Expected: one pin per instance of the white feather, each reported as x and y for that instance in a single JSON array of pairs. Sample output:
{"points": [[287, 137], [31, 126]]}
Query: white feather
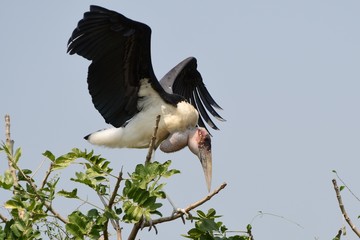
{"points": [[138, 131]]}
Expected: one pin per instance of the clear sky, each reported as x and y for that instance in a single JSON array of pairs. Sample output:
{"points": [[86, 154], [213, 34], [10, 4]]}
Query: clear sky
{"points": [[286, 73]]}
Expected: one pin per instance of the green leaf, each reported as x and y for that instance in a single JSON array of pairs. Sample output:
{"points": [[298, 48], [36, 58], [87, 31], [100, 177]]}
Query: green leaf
{"points": [[155, 206], [93, 213], [64, 160], [24, 175], [84, 179], [211, 213], [13, 204], [137, 213], [72, 194], [194, 233], [208, 225], [249, 228], [74, 230], [17, 155], [8, 181], [342, 188], [201, 214], [118, 211], [149, 202], [49, 155], [17, 228], [170, 173], [110, 214], [79, 220]]}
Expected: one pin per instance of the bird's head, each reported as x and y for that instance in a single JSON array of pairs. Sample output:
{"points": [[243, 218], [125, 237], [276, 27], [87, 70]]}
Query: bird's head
{"points": [[199, 142]]}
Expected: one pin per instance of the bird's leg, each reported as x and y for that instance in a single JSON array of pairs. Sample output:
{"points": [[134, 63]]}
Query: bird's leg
{"points": [[152, 145], [178, 210], [153, 155]]}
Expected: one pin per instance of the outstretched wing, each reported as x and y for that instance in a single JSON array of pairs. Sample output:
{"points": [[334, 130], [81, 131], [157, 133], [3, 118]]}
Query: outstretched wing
{"points": [[119, 49], [184, 79]]}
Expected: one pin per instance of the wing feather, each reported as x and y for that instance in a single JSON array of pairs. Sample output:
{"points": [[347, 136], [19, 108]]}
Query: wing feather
{"points": [[119, 49], [185, 80]]}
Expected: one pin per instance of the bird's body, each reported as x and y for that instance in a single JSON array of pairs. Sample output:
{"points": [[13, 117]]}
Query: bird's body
{"points": [[126, 92], [137, 133]]}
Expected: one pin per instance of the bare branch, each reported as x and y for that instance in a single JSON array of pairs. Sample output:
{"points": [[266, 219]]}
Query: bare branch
{"points": [[3, 218], [343, 182], [38, 168], [261, 214], [56, 214], [115, 224], [48, 172], [153, 140], [177, 215], [117, 185], [10, 146], [343, 211]]}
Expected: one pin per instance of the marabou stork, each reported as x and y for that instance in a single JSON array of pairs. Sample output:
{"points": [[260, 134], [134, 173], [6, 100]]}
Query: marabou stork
{"points": [[126, 92]]}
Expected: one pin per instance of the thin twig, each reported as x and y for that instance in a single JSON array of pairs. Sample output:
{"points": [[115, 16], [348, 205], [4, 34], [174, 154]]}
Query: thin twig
{"points": [[249, 232], [343, 211], [56, 214], [177, 215], [3, 218], [261, 213], [343, 182], [38, 168], [47, 205], [13, 168], [116, 225], [338, 235], [153, 140], [48, 172], [117, 185], [10, 146]]}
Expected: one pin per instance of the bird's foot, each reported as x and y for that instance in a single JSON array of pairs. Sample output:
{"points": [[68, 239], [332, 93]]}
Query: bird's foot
{"points": [[180, 211], [145, 223], [183, 213]]}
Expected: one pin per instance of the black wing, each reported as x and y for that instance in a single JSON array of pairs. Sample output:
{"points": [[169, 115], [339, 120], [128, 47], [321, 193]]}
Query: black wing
{"points": [[184, 79], [120, 52]]}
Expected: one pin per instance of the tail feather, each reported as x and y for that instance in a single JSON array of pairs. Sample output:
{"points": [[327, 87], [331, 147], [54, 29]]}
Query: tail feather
{"points": [[110, 137]]}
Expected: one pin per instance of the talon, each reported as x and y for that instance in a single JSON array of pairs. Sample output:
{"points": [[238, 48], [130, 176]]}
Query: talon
{"points": [[183, 212], [143, 222]]}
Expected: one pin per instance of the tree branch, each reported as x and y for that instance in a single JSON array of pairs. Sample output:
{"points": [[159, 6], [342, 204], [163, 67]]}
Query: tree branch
{"points": [[47, 205], [338, 235], [153, 140], [10, 146], [344, 183], [343, 211], [13, 168], [117, 185], [48, 172], [115, 224], [56, 214], [3, 218], [139, 225]]}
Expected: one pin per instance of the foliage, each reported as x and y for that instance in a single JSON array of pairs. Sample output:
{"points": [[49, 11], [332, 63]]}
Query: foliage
{"points": [[31, 213], [206, 228], [143, 189]]}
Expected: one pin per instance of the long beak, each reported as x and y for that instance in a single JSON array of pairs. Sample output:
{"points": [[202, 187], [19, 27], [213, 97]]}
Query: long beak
{"points": [[205, 157], [200, 144]]}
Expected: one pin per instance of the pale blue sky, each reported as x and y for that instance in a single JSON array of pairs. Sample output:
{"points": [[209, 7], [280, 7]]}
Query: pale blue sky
{"points": [[286, 73]]}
